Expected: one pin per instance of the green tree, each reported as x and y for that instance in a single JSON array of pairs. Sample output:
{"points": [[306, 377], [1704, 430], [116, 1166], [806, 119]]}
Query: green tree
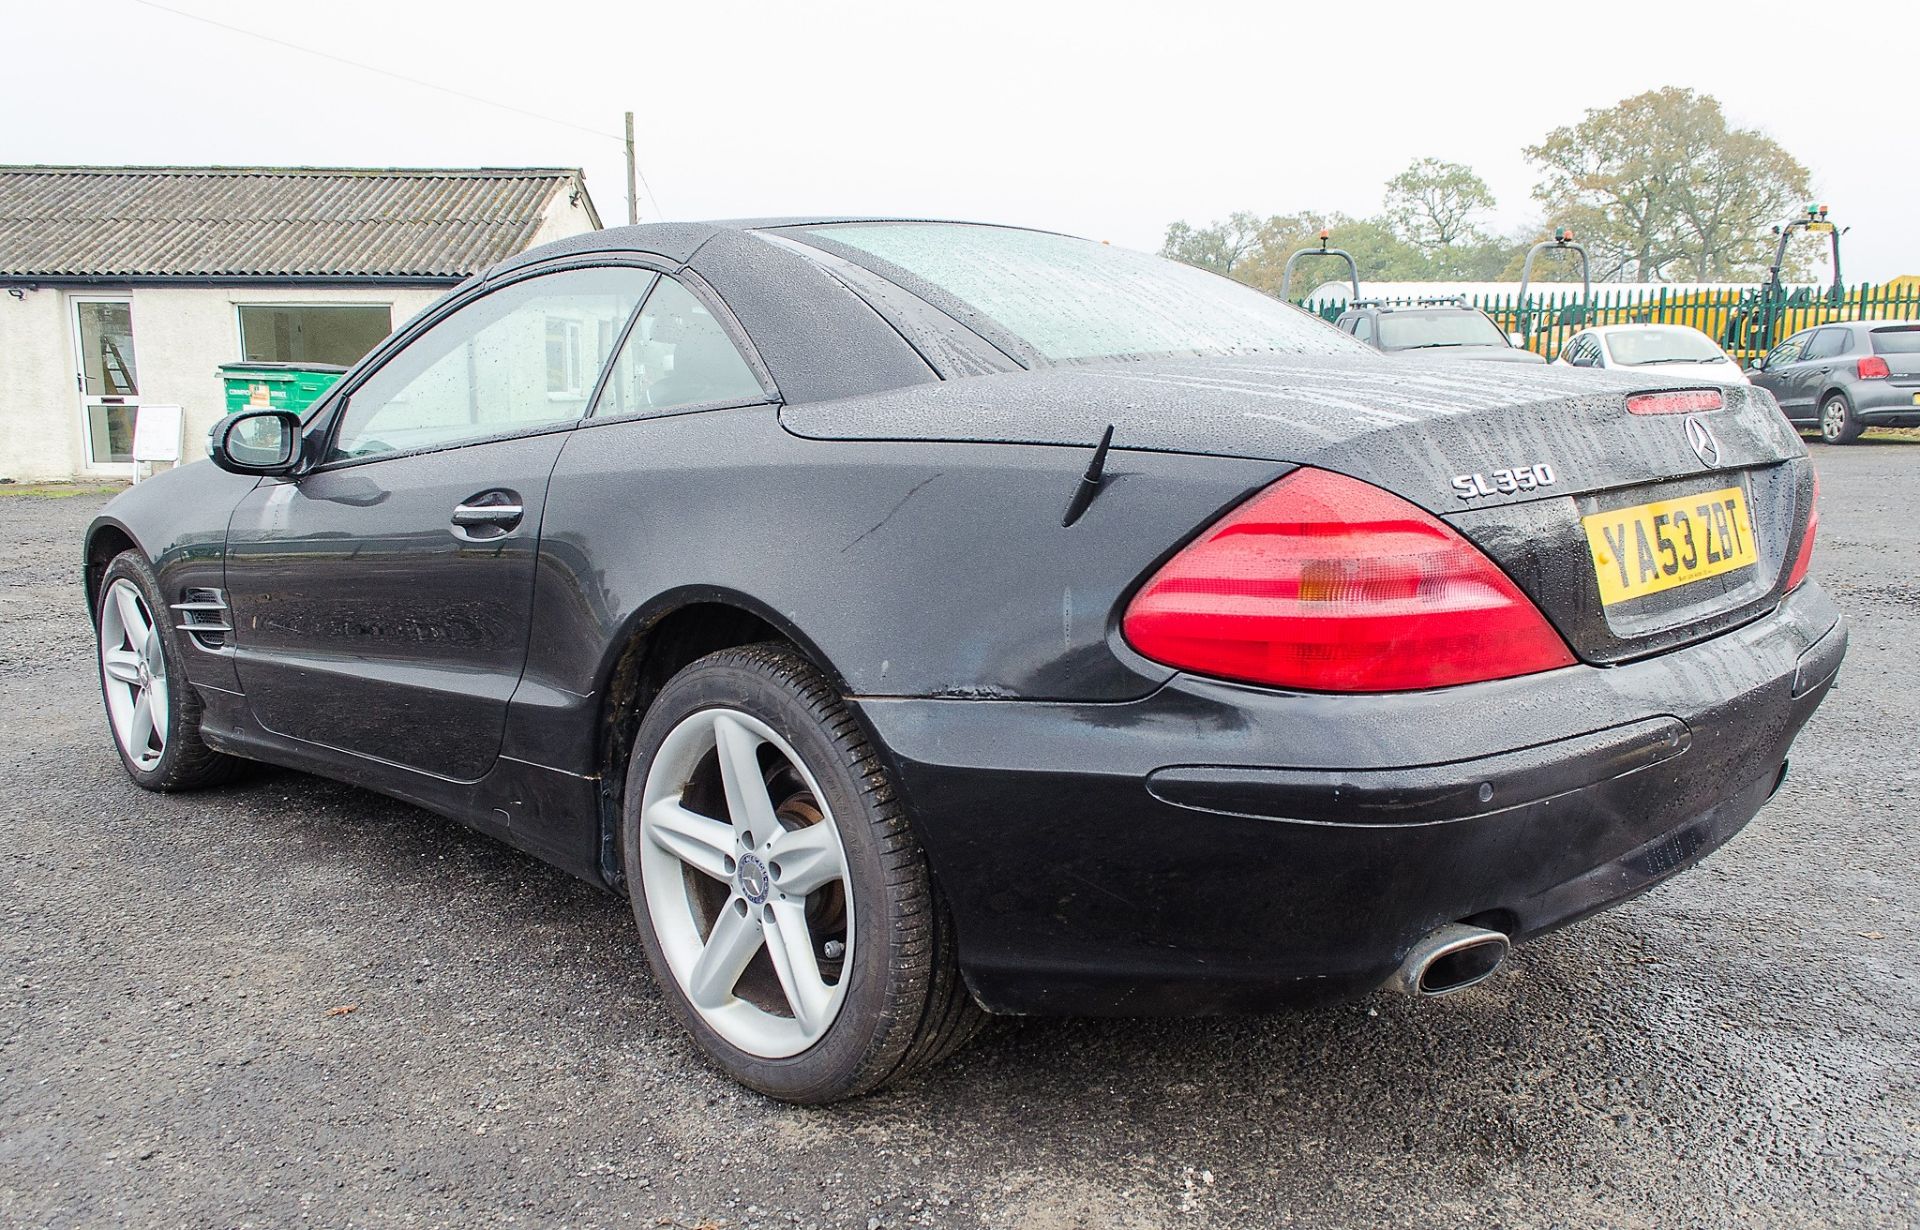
{"points": [[1485, 260], [1255, 250], [1383, 256], [1661, 187], [1433, 206], [1427, 232], [1280, 237], [1552, 265]]}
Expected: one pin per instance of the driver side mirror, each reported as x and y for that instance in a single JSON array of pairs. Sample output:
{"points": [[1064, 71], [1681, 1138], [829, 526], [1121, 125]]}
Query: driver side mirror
{"points": [[256, 442]]}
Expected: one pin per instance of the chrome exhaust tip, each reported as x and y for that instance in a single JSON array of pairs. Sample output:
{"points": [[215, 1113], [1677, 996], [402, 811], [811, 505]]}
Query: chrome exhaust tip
{"points": [[1451, 959]]}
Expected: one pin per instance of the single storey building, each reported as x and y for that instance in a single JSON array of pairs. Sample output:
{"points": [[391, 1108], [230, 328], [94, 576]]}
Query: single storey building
{"points": [[124, 285]]}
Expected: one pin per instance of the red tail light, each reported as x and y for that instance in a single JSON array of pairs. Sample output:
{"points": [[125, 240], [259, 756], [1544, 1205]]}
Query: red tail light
{"points": [[1680, 401], [1873, 367], [1805, 557], [1324, 583]]}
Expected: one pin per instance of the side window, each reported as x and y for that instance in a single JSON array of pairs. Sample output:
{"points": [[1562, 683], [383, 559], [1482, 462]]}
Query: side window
{"points": [[677, 356], [1363, 328], [1827, 343], [525, 355], [1787, 351]]}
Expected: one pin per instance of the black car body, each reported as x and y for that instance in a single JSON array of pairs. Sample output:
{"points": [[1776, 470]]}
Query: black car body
{"points": [[1434, 330], [1844, 378], [891, 499]]}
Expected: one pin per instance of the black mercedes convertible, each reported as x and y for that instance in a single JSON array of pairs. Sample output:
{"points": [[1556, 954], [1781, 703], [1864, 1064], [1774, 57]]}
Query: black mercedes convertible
{"points": [[918, 621]]}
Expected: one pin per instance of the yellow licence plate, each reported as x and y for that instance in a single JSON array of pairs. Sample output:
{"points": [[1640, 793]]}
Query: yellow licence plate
{"points": [[1653, 547]]}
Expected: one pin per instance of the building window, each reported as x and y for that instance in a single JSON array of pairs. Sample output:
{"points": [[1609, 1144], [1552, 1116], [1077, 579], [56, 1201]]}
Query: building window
{"points": [[563, 358], [335, 333]]}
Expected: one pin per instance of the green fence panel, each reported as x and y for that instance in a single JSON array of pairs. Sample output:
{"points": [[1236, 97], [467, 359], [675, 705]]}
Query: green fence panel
{"points": [[1746, 321]]}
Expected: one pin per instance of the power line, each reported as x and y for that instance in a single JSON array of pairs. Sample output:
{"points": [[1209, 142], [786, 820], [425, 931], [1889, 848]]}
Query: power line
{"points": [[430, 85], [415, 81]]}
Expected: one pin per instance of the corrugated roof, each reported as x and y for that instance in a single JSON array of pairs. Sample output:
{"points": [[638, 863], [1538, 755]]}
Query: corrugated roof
{"points": [[268, 223]]}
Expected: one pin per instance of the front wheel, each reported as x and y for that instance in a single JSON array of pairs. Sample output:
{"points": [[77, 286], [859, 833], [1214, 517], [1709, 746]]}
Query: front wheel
{"points": [[152, 710], [1838, 423], [782, 901]]}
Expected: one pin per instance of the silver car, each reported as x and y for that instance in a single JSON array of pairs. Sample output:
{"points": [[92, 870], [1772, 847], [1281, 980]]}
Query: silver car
{"points": [[1844, 378]]}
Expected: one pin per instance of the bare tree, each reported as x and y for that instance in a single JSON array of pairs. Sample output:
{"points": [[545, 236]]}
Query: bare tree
{"points": [[1219, 247]]}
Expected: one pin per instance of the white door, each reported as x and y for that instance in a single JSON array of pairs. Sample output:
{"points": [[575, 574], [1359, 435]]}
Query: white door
{"points": [[108, 377]]}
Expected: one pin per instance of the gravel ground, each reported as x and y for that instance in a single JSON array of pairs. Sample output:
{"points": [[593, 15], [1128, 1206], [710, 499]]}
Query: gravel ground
{"points": [[1736, 1048]]}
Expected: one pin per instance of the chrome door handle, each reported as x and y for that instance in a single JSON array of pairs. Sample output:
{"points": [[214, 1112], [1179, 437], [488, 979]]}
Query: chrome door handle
{"points": [[506, 516]]}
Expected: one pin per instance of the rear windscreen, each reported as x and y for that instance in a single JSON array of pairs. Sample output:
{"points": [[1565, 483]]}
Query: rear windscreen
{"points": [[1897, 341], [1075, 299], [1437, 330], [1650, 347]]}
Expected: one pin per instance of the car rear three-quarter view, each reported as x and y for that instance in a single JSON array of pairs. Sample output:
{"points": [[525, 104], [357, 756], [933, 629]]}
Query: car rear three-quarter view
{"points": [[918, 621]]}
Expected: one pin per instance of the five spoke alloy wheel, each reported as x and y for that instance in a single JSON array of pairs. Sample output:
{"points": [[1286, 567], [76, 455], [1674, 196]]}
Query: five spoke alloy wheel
{"points": [[789, 915], [746, 883], [133, 671], [153, 712]]}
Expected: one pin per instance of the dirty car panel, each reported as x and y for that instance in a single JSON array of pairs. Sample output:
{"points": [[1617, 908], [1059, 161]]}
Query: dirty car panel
{"points": [[1112, 833]]}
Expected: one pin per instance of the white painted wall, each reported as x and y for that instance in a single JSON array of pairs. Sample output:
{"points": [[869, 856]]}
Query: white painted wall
{"points": [[39, 404], [181, 335], [563, 216]]}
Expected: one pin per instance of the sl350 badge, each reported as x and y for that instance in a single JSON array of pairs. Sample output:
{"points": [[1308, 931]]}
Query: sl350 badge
{"points": [[1504, 482]]}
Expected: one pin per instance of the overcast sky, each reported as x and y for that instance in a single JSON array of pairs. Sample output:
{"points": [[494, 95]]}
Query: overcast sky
{"points": [[1104, 119]]}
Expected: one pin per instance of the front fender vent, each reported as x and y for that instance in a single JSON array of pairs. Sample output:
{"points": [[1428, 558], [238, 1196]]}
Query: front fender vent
{"points": [[202, 615]]}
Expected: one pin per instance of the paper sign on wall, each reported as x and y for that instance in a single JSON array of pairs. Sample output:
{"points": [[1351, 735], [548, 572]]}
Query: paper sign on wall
{"points": [[156, 433]]}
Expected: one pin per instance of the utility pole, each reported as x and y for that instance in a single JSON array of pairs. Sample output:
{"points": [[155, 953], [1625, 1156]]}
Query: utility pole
{"points": [[633, 202]]}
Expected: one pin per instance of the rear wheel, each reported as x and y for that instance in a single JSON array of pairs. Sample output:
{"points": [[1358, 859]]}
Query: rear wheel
{"points": [[781, 899], [1838, 423], [152, 710]]}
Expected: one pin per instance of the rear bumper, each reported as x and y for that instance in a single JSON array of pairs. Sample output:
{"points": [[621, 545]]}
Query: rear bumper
{"points": [[1217, 848], [1885, 404]]}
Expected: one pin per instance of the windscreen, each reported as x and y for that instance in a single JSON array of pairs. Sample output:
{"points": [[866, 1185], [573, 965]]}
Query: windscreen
{"points": [[1650, 347], [1430, 330], [1073, 299], [1897, 341]]}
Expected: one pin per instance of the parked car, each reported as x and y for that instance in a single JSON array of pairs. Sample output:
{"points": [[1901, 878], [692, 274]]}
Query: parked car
{"points": [[1677, 350], [1449, 330], [921, 620], [1845, 378]]}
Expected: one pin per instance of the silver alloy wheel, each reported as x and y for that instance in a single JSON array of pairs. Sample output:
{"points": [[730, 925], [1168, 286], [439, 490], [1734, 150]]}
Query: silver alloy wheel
{"points": [[1833, 418], [746, 883], [133, 665]]}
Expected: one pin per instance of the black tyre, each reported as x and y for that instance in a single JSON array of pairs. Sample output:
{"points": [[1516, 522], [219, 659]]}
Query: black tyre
{"points": [[1838, 423], [784, 905], [153, 713]]}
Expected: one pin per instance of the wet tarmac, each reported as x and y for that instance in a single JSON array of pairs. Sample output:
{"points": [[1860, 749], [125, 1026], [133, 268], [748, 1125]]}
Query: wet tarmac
{"points": [[291, 1002]]}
